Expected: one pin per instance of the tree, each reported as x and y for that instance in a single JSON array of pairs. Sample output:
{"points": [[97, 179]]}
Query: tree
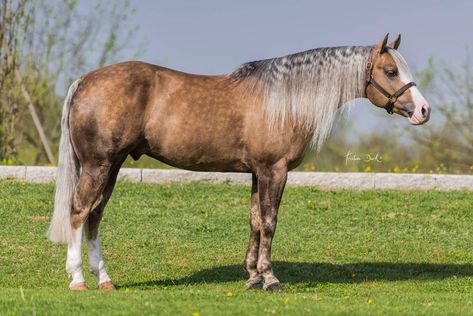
{"points": [[51, 44], [12, 24], [448, 141]]}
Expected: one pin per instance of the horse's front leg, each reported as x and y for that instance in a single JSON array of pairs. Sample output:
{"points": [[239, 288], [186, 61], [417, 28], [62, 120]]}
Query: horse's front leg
{"points": [[255, 279], [271, 182]]}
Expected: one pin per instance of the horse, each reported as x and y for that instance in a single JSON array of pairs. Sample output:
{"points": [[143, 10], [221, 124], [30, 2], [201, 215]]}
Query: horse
{"points": [[261, 118]]}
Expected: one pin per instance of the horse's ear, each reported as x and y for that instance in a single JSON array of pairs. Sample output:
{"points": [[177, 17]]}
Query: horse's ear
{"points": [[381, 46], [396, 42]]}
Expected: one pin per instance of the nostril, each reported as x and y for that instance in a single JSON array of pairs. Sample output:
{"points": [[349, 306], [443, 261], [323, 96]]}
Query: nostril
{"points": [[424, 110]]}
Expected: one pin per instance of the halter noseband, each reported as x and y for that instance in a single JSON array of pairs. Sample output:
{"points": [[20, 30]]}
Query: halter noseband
{"points": [[392, 98]]}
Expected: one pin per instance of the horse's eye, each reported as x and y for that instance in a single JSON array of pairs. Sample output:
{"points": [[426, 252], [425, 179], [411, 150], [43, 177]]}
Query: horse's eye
{"points": [[391, 73]]}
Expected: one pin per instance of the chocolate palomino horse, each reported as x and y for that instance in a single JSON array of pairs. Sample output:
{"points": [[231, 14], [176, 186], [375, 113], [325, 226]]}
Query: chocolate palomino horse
{"points": [[259, 119]]}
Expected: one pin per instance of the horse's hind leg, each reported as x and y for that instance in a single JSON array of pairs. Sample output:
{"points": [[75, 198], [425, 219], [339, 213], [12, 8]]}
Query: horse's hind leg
{"points": [[255, 280], [96, 262], [89, 193]]}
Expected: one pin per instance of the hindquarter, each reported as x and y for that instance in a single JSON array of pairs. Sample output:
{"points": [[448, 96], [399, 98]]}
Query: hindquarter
{"points": [[107, 112]]}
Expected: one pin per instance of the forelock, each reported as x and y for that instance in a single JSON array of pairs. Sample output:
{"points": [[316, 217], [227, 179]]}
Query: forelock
{"points": [[401, 64]]}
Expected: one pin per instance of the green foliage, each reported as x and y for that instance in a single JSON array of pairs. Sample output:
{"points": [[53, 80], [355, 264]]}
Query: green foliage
{"points": [[11, 25], [178, 249], [52, 43], [449, 142]]}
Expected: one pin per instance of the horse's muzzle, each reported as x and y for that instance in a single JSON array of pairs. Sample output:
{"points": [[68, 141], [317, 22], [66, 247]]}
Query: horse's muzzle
{"points": [[420, 115]]}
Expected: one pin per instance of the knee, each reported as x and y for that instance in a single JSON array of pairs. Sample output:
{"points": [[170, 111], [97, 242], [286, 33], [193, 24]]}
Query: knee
{"points": [[268, 228]]}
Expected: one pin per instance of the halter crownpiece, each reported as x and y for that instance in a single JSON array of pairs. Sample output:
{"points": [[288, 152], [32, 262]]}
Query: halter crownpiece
{"points": [[392, 98]]}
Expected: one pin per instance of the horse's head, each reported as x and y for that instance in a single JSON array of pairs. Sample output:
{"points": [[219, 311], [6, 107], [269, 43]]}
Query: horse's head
{"points": [[390, 84]]}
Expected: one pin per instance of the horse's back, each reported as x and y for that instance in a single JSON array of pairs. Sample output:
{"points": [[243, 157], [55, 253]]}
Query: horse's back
{"points": [[197, 122]]}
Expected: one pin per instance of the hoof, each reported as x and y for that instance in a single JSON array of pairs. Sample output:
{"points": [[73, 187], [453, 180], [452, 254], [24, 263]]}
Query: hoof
{"points": [[106, 286], [256, 283], [78, 287], [275, 286]]}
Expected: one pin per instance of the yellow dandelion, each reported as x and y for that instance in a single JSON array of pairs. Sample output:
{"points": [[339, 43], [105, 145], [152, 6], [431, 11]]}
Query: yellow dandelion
{"points": [[127, 290], [367, 169], [396, 169], [317, 298], [195, 314], [229, 294], [370, 301]]}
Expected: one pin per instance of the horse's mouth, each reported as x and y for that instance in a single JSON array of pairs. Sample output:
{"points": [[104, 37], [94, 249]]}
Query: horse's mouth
{"points": [[410, 115], [405, 112], [414, 120]]}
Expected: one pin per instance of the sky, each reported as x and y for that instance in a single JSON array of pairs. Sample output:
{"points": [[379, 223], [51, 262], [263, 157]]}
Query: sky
{"points": [[212, 37], [215, 36]]}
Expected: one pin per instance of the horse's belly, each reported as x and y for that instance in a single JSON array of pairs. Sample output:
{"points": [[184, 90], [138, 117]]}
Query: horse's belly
{"points": [[200, 151]]}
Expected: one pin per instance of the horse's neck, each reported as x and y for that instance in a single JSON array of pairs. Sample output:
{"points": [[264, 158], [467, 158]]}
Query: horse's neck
{"points": [[343, 74], [310, 87]]}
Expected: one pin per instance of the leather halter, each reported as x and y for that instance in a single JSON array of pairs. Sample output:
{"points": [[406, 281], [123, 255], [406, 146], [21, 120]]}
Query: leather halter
{"points": [[392, 98]]}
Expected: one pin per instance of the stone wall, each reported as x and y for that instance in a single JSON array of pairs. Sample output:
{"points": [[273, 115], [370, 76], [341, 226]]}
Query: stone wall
{"points": [[322, 180]]}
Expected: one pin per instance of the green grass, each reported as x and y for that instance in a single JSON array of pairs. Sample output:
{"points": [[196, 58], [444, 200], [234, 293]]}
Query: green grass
{"points": [[178, 249]]}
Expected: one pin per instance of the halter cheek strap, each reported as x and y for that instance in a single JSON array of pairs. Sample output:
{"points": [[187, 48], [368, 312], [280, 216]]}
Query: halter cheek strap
{"points": [[392, 98]]}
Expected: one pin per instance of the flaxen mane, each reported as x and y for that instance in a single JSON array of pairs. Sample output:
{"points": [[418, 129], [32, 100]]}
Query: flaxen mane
{"points": [[310, 86]]}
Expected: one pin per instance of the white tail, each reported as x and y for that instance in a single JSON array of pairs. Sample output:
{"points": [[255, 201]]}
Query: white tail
{"points": [[60, 230]]}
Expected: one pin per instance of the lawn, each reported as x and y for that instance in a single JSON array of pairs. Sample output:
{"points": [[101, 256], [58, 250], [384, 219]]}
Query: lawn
{"points": [[178, 249]]}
